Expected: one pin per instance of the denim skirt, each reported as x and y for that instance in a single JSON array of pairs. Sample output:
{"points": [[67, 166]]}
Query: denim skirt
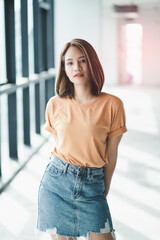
{"points": [[71, 200]]}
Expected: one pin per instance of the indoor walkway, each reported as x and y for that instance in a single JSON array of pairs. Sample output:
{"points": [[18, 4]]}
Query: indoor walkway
{"points": [[135, 195]]}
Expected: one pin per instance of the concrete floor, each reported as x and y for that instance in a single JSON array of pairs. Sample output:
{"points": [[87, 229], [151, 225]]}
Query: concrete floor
{"points": [[135, 192]]}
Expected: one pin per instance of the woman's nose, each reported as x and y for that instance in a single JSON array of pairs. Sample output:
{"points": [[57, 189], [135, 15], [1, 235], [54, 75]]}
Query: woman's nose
{"points": [[77, 67]]}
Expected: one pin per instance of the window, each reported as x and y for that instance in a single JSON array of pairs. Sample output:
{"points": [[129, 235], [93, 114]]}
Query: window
{"points": [[2, 46], [18, 48], [30, 37], [134, 52]]}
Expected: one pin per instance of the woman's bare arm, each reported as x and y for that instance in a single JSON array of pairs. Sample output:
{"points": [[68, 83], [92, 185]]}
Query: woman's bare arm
{"points": [[112, 151]]}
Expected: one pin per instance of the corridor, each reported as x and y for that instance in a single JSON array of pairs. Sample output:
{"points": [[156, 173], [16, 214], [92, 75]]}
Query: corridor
{"points": [[125, 35], [135, 192]]}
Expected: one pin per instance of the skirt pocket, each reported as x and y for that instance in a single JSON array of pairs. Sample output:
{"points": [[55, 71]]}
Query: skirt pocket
{"points": [[98, 177], [54, 170]]}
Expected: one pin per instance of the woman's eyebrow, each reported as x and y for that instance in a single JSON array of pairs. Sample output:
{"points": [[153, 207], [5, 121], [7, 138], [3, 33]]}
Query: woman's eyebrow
{"points": [[69, 59], [82, 57]]}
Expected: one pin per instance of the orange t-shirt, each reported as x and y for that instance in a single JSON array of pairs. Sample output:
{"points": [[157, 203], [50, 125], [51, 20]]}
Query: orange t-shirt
{"points": [[82, 129]]}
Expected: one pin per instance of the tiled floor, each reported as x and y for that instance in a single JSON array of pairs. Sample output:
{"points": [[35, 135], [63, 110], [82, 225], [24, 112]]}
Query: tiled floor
{"points": [[135, 193]]}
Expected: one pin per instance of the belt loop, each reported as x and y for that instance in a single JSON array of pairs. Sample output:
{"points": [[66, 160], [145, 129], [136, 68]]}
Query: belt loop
{"points": [[88, 173], [65, 168]]}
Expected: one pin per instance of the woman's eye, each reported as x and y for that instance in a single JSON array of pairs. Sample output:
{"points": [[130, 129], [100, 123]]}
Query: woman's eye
{"points": [[83, 60], [69, 63]]}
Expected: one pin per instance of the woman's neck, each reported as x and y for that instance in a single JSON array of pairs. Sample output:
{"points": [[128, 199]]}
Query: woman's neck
{"points": [[82, 94]]}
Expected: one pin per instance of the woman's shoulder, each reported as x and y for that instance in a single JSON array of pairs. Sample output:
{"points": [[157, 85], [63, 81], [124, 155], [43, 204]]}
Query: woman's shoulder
{"points": [[57, 99], [110, 98], [57, 102]]}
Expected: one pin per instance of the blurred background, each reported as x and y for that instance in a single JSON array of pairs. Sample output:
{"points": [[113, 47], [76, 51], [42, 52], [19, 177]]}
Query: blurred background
{"points": [[126, 37]]}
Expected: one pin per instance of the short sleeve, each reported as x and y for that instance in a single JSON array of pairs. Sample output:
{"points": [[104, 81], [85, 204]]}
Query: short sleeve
{"points": [[118, 124], [49, 118]]}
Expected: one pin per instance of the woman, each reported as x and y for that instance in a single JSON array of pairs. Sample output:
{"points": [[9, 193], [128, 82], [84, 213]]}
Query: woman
{"points": [[87, 125]]}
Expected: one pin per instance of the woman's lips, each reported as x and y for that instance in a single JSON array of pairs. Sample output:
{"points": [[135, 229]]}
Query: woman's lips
{"points": [[78, 75]]}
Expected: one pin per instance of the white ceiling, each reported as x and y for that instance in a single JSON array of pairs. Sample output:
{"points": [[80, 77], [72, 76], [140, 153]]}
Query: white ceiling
{"points": [[138, 2], [107, 6]]}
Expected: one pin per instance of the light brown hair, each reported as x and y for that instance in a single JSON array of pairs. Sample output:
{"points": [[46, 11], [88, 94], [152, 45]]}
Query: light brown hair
{"points": [[64, 87]]}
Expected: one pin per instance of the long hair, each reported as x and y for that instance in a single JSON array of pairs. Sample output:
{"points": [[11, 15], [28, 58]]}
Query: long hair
{"points": [[64, 87]]}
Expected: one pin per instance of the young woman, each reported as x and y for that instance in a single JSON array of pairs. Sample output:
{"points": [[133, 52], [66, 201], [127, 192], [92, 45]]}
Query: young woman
{"points": [[87, 125]]}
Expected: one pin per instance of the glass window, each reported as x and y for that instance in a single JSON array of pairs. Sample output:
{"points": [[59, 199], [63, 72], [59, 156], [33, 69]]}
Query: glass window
{"points": [[134, 34], [17, 7], [3, 78], [30, 37]]}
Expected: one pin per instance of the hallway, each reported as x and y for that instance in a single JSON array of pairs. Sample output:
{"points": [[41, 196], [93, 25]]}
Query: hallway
{"points": [[135, 193]]}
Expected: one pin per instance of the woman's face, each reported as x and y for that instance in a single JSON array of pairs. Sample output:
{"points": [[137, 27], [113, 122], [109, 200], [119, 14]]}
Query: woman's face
{"points": [[76, 66]]}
